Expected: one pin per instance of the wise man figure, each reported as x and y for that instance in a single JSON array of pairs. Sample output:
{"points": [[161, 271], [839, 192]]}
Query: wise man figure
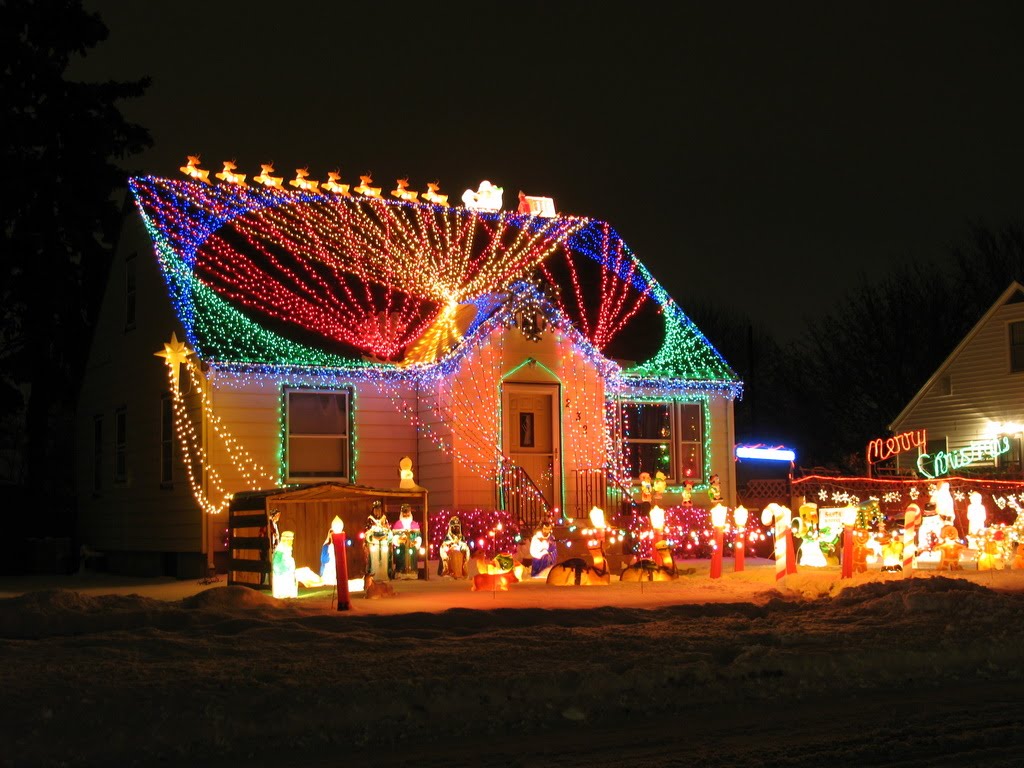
{"points": [[407, 541]]}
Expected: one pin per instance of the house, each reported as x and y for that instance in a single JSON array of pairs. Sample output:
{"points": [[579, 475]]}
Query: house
{"points": [[524, 363], [968, 417]]}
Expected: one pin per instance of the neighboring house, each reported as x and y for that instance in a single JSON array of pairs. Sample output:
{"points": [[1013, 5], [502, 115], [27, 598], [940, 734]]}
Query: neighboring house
{"points": [[970, 412], [527, 363]]}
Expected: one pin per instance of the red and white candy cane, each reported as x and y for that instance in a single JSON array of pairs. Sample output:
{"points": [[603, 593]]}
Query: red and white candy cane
{"points": [[780, 516], [911, 520]]}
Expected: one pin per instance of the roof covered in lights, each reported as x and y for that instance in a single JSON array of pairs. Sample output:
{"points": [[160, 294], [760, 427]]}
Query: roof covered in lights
{"points": [[271, 277]]}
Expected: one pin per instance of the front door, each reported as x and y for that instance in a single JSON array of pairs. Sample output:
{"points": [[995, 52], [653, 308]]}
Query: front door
{"points": [[532, 435]]}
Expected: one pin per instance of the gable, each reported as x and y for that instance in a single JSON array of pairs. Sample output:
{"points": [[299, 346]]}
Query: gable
{"points": [[939, 381]]}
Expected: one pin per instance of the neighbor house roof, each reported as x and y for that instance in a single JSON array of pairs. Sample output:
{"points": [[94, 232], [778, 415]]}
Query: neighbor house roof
{"points": [[268, 277], [1011, 291]]}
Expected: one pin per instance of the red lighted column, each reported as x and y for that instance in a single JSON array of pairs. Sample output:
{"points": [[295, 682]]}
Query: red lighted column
{"points": [[739, 516], [849, 519], [718, 513], [340, 562]]}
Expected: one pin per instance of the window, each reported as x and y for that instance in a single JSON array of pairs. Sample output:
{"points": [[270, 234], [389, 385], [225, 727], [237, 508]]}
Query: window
{"points": [[97, 454], [664, 437], [129, 292], [318, 435], [1017, 347], [120, 444], [166, 439]]}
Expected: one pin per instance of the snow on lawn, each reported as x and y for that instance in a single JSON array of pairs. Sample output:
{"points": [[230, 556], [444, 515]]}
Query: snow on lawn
{"points": [[207, 673]]}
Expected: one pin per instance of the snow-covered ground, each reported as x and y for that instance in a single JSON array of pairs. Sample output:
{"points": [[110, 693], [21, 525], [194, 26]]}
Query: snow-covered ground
{"points": [[876, 670]]}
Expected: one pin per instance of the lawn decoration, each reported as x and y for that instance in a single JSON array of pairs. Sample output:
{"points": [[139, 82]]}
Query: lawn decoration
{"points": [[283, 583], [950, 548], [377, 544], [407, 539], [302, 183], [454, 552], [663, 566], [911, 519], [811, 551], [577, 571], [543, 550], [781, 517], [495, 574]]}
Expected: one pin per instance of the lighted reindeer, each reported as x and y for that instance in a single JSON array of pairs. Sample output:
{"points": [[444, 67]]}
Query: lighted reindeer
{"points": [[192, 170], [365, 189], [577, 572], [229, 176], [266, 179], [333, 184], [431, 195], [662, 567], [302, 182], [403, 193]]}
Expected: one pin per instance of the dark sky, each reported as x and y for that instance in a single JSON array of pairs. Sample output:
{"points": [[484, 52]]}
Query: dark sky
{"points": [[761, 156]]}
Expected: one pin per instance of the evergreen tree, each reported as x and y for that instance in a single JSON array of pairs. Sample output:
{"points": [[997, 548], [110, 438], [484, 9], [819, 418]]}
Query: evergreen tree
{"points": [[62, 140]]}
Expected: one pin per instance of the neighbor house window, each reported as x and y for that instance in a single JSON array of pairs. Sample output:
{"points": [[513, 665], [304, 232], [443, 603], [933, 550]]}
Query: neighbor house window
{"points": [[97, 454], [318, 442], [129, 292], [664, 437], [166, 439], [120, 445], [1017, 347]]}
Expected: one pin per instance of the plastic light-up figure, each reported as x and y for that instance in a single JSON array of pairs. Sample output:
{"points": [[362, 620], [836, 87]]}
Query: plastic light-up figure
{"points": [[283, 564]]}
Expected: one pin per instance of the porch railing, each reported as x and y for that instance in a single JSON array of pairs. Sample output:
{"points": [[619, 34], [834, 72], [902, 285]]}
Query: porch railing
{"points": [[598, 488], [521, 497]]}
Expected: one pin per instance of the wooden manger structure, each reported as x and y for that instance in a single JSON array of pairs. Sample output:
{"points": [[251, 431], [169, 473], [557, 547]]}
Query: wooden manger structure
{"points": [[308, 512]]}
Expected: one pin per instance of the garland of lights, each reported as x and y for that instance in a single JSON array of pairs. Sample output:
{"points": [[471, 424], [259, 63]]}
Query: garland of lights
{"points": [[253, 475]]}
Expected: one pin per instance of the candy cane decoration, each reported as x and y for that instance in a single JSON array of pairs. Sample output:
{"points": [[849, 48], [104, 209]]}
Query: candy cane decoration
{"points": [[780, 515], [910, 522]]}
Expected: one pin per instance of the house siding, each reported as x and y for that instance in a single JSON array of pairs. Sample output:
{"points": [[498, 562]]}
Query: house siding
{"points": [[139, 514], [982, 392]]}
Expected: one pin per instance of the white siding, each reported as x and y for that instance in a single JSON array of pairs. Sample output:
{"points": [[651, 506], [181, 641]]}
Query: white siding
{"points": [[982, 390]]}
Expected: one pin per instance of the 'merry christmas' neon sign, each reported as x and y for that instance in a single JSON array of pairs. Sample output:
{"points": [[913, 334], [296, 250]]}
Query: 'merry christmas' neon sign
{"points": [[944, 461], [880, 450]]}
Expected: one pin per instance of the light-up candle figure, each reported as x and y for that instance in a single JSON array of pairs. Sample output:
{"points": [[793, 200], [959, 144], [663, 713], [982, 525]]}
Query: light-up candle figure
{"points": [[657, 515], [739, 516], [718, 515], [849, 518], [340, 562], [595, 544]]}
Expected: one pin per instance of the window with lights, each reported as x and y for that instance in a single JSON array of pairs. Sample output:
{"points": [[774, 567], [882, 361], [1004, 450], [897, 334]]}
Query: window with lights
{"points": [[664, 437], [318, 435]]}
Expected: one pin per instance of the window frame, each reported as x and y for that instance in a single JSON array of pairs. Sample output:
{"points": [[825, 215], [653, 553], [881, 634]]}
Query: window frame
{"points": [[346, 437], [166, 440], [1016, 361], [675, 440], [120, 445]]}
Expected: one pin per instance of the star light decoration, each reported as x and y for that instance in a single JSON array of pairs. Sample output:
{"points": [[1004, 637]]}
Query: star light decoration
{"points": [[315, 288], [177, 355]]}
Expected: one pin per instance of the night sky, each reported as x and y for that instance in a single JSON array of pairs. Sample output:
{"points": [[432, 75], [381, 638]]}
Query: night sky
{"points": [[758, 156]]}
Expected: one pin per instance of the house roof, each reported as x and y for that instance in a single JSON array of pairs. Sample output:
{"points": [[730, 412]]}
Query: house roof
{"points": [[267, 277], [1004, 297]]}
